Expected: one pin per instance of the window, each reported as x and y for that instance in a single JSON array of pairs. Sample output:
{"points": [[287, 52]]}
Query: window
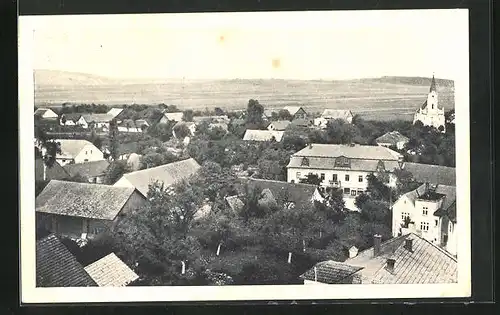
{"points": [[360, 191], [353, 192], [425, 210], [90, 151], [322, 176], [346, 177], [347, 191], [85, 152], [424, 226], [334, 178], [298, 175], [86, 160], [305, 162], [360, 178], [436, 221], [342, 161], [404, 215]]}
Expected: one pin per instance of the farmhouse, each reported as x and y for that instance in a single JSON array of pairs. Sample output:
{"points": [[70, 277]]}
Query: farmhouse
{"points": [[151, 117], [301, 123], [296, 111], [268, 113], [111, 271], [392, 139], [77, 151], [430, 212], [73, 119], [176, 116], [57, 267], [128, 125], [342, 166], [263, 135], [71, 209], [211, 119], [93, 171], [429, 113], [168, 174], [332, 114], [279, 125], [45, 113], [98, 120], [126, 149]]}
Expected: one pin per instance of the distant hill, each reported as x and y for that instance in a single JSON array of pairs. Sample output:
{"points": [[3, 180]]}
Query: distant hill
{"points": [[66, 78]]}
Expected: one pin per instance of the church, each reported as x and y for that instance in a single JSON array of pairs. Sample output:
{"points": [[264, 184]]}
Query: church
{"points": [[429, 113]]}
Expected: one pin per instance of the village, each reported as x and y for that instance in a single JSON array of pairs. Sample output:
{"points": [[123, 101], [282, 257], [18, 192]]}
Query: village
{"points": [[142, 195]]}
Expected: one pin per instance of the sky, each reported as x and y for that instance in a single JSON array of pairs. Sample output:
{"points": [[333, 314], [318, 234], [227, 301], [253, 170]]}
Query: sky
{"points": [[284, 45]]}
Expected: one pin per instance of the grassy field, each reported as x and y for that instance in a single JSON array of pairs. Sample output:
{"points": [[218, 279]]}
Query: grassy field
{"points": [[378, 98]]}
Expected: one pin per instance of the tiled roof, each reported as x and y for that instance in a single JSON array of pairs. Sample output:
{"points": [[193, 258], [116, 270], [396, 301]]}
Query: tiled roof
{"points": [[434, 174], [262, 135], [98, 118], [425, 263], [57, 267], [337, 114], [293, 109], [280, 124], [392, 137], [369, 152], [87, 169], [169, 174], [110, 271], [82, 200], [234, 202], [127, 148], [330, 272], [177, 116], [72, 147], [301, 122], [300, 194], [56, 171], [329, 163]]}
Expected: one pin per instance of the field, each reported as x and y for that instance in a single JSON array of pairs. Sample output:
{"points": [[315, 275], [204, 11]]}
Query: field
{"points": [[377, 98]]}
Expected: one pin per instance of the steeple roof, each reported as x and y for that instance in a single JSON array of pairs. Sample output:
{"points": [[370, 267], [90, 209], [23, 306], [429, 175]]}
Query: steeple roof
{"points": [[433, 85]]}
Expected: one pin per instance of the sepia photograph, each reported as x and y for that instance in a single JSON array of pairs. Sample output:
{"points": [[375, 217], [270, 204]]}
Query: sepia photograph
{"points": [[244, 156]]}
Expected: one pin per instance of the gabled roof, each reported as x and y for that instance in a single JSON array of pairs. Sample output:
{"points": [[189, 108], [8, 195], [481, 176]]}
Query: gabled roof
{"points": [[293, 109], [41, 111], [72, 116], [330, 272], [177, 116], [87, 169], [57, 267], [434, 174], [337, 114], [56, 171], [366, 165], [370, 152], [93, 201], [70, 148], [111, 271], [280, 124], [169, 174], [262, 135], [115, 111], [437, 192], [425, 263], [300, 194], [392, 137], [98, 118], [301, 122]]}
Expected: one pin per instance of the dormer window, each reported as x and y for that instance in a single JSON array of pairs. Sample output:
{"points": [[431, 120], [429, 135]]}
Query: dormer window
{"points": [[342, 161], [305, 162]]}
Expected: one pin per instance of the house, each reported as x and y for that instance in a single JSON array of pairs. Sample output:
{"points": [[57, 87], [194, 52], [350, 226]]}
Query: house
{"points": [[392, 139], [332, 114], [77, 151], [94, 171], [211, 119], [71, 209], [176, 116], [434, 174], [301, 123], [430, 212], [168, 174], [189, 124], [99, 121], [406, 259], [291, 195], [114, 112], [296, 111], [111, 271], [57, 267], [45, 113], [263, 135], [343, 166], [331, 272], [73, 119], [279, 125], [152, 116], [429, 113], [128, 125]]}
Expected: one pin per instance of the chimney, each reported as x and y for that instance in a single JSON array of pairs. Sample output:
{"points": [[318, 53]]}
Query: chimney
{"points": [[426, 187], [183, 267], [353, 252], [315, 274], [310, 145], [390, 264], [409, 244], [377, 238]]}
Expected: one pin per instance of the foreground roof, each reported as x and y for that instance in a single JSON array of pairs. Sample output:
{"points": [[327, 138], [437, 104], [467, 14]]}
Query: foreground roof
{"points": [[169, 174], [87, 169], [330, 272], [425, 263], [57, 267], [111, 271], [435, 174], [262, 135], [94, 201]]}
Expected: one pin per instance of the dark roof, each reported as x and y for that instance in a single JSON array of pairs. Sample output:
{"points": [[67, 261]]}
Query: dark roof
{"points": [[301, 122], [425, 263], [151, 115], [56, 171], [300, 194], [57, 267], [433, 85], [434, 174], [72, 116], [330, 272], [127, 148], [94, 201], [87, 169]]}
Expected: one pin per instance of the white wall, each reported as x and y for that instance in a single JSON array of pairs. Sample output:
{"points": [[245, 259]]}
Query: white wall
{"points": [[88, 154], [451, 246]]}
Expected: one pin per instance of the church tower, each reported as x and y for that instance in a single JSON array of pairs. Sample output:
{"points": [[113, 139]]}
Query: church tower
{"points": [[429, 113]]}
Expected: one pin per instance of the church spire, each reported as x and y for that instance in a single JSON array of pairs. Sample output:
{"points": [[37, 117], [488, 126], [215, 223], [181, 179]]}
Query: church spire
{"points": [[433, 84]]}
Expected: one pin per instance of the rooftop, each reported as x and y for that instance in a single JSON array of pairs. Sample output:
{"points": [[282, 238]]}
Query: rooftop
{"points": [[293, 109], [94, 201], [330, 272], [104, 118], [280, 124], [87, 169], [72, 147], [176, 116], [392, 137], [262, 135], [367, 152], [337, 114], [110, 271], [57, 267], [434, 174]]}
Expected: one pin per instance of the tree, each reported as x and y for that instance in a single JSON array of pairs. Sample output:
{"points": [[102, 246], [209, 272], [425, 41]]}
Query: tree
{"points": [[47, 148], [284, 114], [115, 171], [188, 115], [312, 179], [181, 131], [251, 206], [254, 113], [218, 111], [376, 211], [215, 181], [113, 140]]}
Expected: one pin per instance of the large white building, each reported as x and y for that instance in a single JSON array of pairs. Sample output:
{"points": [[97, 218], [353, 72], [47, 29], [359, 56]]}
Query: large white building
{"points": [[428, 211], [77, 151], [343, 166], [429, 113]]}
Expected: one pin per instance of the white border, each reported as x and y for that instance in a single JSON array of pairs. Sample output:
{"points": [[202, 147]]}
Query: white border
{"points": [[31, 294]]}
